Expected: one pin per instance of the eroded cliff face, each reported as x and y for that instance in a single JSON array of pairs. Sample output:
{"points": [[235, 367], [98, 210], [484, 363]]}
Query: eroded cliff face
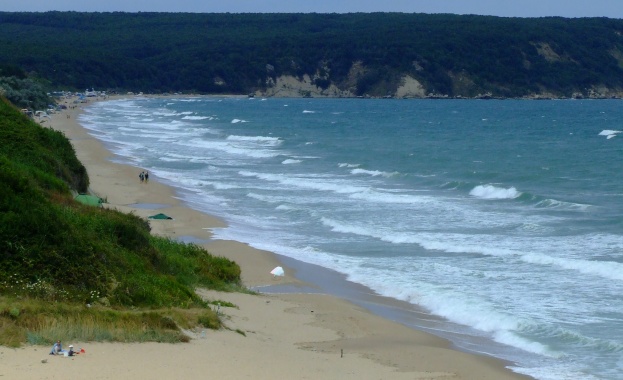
{"points": [[288, 86], [408, 86]]}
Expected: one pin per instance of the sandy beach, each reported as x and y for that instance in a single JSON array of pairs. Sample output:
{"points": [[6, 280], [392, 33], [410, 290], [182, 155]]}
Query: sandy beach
{"points": [[286, 336]]}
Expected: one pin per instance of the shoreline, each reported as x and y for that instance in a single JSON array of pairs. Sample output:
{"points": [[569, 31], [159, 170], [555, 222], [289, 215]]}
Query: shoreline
{"points": [[313, 335]]}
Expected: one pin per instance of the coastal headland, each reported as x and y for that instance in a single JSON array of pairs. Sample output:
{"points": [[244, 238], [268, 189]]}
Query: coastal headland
{"points": [[294, 335]]}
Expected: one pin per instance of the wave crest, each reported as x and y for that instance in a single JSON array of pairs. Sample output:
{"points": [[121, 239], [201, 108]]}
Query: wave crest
{"points": [[493, 192]]}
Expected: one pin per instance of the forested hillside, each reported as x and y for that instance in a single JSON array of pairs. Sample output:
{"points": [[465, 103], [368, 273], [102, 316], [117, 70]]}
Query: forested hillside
{"points": [[378, 54]]}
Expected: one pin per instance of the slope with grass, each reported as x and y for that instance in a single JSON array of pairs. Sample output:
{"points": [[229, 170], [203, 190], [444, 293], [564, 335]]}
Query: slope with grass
{"points": [[58, 256]]}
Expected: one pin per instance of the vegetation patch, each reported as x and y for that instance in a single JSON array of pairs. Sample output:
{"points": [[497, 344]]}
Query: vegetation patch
{"points": [[78, 272], [38, 322]]}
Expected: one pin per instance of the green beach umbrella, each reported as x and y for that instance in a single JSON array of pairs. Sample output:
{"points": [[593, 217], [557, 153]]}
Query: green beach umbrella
{"points": [[160, 216], [90, 200]]}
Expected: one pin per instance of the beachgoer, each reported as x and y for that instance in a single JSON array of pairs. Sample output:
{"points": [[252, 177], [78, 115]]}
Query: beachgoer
{"points": [[71, 351], [146, 176], [142, 176], [57, 348]]}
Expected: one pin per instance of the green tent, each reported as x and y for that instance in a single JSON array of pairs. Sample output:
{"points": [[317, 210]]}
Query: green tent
{"points": [[90, 200], [160, 216]]}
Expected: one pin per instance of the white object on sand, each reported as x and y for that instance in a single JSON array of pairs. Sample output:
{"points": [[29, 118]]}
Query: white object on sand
{"points": [[278, 271]]}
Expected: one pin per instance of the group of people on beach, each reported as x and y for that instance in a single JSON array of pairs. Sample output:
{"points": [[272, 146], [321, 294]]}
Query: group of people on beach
{"points": [[144, 176], [57, 349]]}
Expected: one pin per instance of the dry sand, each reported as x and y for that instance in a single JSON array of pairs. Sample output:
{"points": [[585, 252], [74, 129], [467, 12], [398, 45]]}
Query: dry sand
{"points": [[288, 336]]}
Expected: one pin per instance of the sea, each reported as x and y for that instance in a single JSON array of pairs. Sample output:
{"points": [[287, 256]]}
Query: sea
{"points": [[498, 224]]}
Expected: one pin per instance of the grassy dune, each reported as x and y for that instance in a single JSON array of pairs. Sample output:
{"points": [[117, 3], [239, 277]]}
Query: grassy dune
{"points": [[83, 272]]}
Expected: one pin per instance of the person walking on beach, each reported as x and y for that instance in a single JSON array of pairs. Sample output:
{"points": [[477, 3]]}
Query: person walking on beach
{"points": [[146, 176], [142, 176]]}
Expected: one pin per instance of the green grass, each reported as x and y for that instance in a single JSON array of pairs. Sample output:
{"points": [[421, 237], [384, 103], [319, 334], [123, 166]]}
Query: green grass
{"points": [[71, 255], [40, 323]]}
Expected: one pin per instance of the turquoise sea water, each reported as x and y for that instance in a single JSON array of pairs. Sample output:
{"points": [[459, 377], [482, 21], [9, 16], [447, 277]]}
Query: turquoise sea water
{"points": [[502, 218]]}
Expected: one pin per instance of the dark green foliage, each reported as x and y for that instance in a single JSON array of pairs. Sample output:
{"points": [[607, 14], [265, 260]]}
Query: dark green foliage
{"points": [[45, 153], [191, 264], [24, 92], [55, 248], [11, 71], [236, 53]]}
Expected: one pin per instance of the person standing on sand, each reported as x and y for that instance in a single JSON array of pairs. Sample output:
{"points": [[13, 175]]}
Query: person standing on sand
{"points": [[142, 176], [146, 176]]}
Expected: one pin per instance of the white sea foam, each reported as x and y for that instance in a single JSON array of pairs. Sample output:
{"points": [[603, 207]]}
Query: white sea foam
{"points": [[458, 244], [555, 372], [228, 147], [290, 161], [459, 307], [197, 118], [260, 197], [235, 121], [344, 228], [553, 203], [493, 192], [340, 187], [609, 133], [379, 195], [605, 269], [284, 207], [468, 310], [493, 247], [222, 186], [256, 139], [512, 339], [347, 165], [373, 173], [307, 111]]}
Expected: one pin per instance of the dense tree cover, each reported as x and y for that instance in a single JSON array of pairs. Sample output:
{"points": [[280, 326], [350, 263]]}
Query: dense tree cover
{"points": [[237, 53], [19, 89], [25, 93]]}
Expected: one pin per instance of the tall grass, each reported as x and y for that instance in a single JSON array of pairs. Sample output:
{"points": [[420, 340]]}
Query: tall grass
{"points": [[39, 322]]}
